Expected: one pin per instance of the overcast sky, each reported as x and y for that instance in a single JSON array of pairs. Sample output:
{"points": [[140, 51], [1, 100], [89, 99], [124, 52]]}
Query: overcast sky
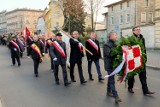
{"points": [[37, 4]]}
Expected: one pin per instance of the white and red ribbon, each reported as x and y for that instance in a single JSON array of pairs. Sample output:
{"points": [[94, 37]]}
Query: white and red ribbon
{"points": [[59, 48], [15, 45], [41, 42], [93, 44], [21, 42]]}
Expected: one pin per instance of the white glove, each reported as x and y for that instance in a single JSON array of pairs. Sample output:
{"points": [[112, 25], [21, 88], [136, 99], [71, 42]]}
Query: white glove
{"points": [[55, 59], [80, 44], [15, 49]]}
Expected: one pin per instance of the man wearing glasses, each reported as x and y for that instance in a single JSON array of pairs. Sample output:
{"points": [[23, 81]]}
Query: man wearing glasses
{"points": [[142, 76]]}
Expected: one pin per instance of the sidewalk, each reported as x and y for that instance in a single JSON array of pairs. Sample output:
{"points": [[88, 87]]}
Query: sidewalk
{"points": [[153, 59]]}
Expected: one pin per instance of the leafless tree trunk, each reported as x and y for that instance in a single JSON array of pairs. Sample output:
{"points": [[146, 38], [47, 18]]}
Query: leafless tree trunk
{"points": [[93, 6]]}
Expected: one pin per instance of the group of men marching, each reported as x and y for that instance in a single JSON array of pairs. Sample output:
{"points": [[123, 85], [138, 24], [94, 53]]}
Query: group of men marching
{"points": [[37, 47]]}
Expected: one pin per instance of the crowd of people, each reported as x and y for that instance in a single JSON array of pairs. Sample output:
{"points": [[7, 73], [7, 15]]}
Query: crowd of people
{"points": [[38, 46]]}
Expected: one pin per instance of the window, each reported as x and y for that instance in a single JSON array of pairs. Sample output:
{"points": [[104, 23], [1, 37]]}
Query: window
{"points": [[112, 20], [128, 18], [112, 8], [128, 4], [121, 6], [146, 3], [121, 19], [143, 17], [150, 17]]}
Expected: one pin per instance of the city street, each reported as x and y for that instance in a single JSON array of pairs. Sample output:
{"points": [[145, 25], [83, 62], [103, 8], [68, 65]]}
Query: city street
{"points": [[19, 87]]}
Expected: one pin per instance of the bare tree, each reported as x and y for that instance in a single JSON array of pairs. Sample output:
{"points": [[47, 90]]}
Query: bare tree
{"points": [[93, 6]]}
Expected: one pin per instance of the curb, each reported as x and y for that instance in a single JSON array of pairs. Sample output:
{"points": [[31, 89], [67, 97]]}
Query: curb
{"points": [[153, 67]]}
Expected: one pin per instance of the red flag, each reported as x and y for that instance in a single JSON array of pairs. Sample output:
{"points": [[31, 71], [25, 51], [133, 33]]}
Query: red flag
{"points": [[28, 32]]}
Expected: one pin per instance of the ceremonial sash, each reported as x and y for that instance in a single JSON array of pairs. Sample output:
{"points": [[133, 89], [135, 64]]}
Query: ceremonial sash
{"points": [[30, 38], [37, 50], [93, 44], [49, 42], [20, 41], [81, 49], [59, 48], [15, 45], [41, 42]]}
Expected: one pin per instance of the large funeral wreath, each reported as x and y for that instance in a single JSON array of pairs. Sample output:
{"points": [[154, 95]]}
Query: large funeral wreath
{"points": [[117, 53]]}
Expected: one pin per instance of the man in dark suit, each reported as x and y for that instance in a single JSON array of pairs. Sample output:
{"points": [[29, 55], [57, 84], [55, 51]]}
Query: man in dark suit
{"points": [[142, 76], [58, 54], [76, 55], [93, 46], [21, 44], [35, 49], [15, 50], [47, 48]]}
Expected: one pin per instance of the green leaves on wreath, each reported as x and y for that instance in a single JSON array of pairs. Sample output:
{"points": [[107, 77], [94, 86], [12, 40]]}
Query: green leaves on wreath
{"points": [[117, 53]]}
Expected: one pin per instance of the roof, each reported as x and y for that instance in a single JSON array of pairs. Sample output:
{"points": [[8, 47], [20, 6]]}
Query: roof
{"points": [[25, 9], [115, 3]]}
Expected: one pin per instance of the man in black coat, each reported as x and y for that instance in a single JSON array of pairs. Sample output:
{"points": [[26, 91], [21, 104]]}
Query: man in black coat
{"points": [[15, 51], [108, 65], [58, 54], [21, 43], [35, 49], [76, 55], [142, 76], [92, 45], [47, 48]]}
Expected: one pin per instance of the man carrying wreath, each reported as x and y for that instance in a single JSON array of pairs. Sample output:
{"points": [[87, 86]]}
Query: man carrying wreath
{"points": [[142, 76]]}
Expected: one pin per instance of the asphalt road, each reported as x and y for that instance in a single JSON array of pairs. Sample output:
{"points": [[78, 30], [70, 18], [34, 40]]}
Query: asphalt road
{"points": [[19, 87]]}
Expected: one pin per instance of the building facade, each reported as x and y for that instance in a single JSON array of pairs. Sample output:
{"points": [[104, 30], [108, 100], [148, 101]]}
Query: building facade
{"points": [[145, 13], [125, 14], [41, 25], [3, 22], [57, 17], [18, 19], [121, 15], [157, 24]]}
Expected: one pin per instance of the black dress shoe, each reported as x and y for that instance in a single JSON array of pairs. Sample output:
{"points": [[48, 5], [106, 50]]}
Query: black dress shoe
{"points": [[36, 75], [83, 82], [73, 80], [91, 79], [130, 90], [19, 65], [100, 79], [57, 82], [67, 83], [109, 94], [149, 93]]}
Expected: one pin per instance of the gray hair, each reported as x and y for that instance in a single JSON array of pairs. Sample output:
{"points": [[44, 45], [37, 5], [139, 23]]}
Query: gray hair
{"points": [[75, 32], [111, 33]]}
